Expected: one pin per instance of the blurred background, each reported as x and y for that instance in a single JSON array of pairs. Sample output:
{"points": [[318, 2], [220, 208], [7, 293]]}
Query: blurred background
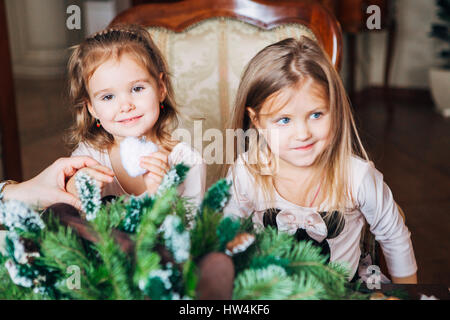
{"points": [[394, 76]]}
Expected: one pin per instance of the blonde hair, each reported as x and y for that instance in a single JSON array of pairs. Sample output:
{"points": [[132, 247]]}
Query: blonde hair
{"points": [[288, 64], [86, 57]]}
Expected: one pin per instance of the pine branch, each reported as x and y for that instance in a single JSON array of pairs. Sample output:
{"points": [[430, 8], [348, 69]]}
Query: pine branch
{"points": [[260, 262], [204, 238], [132, 212], [173, 178], [275, 243], [9, 290], [301, 259], [63, 248], [176, 238], [147, 232], [269, 283], [190, 278], [114, 259], [89, 193], [307, 259], [226, 231], [186, 210], [243, 260], [116, 211], [306, 288], [117, 266], [216, 197]]}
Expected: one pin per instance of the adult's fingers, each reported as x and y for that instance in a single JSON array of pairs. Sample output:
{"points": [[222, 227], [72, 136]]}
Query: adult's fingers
{"points": [[99, 176], [69, 199], [103, 169], [74, 163]]}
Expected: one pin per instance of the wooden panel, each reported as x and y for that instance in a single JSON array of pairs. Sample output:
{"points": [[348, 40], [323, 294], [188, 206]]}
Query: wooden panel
{"points": [[266, 14], [11, 159]]}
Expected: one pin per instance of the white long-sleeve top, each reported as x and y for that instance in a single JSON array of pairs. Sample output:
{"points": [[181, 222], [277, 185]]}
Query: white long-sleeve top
{"points": [[374, 202], [193, 186]]}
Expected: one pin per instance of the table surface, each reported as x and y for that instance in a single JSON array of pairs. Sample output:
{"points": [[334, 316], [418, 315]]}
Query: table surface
{"points": [[415, 291]]}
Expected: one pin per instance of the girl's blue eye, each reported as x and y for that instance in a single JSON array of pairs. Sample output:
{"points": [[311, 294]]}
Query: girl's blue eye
{"points": [[108, 97], [316, 115], [284, 120], [138, 89]]}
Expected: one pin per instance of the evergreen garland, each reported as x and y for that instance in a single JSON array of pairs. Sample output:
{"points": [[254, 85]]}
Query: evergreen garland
{"points": [[134, 209], [163, 263], [273, 282], [216, 197], [226, 231]]}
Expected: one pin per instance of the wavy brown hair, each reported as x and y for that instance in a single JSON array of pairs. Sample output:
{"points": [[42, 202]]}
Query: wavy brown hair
{"points": [[86, 57], [289, 64]]}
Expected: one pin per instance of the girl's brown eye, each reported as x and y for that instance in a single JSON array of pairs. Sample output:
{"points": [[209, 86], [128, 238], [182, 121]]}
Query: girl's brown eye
{"points": [[138, 89], [108, 97]]}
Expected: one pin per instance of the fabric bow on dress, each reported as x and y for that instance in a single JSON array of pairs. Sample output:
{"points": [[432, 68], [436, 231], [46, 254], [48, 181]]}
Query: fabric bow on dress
{"points": [[290, 221]]}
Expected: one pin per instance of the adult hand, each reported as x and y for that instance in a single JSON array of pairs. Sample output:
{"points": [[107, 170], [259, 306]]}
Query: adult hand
{"points": [[49, 187], [101, 174]]}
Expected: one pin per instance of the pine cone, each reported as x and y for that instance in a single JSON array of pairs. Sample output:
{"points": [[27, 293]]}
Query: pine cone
{"points": [[240, 243]]}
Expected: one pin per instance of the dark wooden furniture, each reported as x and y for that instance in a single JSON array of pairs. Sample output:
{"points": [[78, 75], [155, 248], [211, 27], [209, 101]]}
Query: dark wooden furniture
{"points": [[178, 15], [10, 143], [415, 291]]}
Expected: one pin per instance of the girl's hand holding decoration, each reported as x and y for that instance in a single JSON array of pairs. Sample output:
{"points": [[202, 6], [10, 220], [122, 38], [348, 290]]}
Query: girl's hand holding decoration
{"points": [[101, 174], [157, 166], [131, 151]]}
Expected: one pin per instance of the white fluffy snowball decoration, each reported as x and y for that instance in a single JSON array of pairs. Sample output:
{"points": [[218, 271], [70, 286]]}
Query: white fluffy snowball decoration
{"points": [[131, 150]]}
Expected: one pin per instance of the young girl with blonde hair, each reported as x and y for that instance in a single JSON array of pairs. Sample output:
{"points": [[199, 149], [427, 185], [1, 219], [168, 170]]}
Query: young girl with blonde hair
{"points": [[120, 87], [307, 172]]}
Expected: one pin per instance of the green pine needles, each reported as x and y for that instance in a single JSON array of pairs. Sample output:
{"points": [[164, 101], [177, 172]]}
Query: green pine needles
{"points": [[216, 197], [90, 195], [301, 262], [149, 247]]}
